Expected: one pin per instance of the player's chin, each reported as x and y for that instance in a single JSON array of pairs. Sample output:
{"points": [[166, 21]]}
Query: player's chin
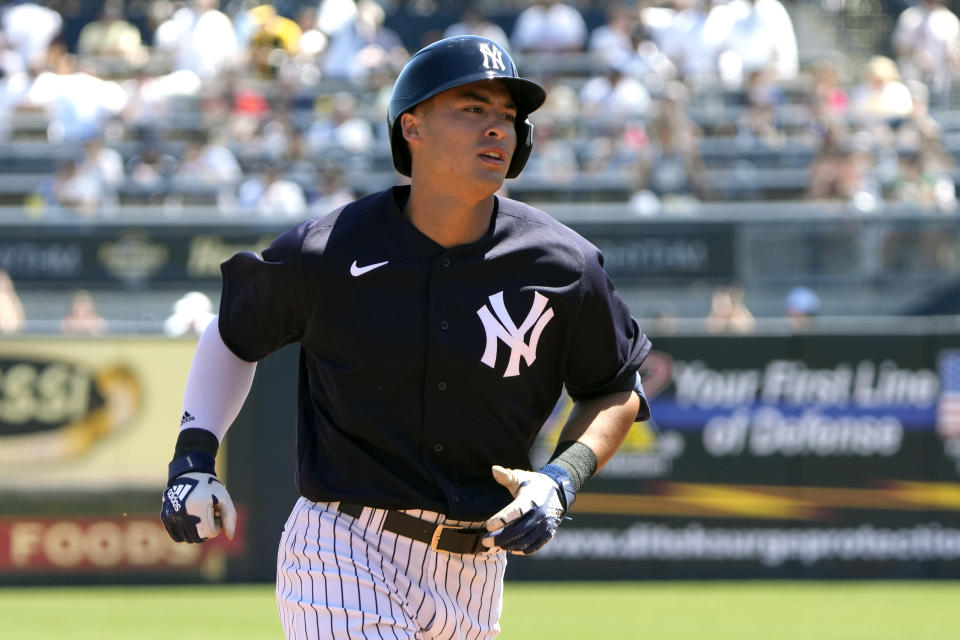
{"points": [[493, 178]]}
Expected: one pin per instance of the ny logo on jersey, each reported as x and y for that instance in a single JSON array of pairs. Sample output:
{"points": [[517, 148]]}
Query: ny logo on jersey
{"points": [[492, 57], [503, 328]]}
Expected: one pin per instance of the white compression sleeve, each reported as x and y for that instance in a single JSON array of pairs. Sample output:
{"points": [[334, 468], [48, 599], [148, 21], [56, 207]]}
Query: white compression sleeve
{"points": [[217, 385]]}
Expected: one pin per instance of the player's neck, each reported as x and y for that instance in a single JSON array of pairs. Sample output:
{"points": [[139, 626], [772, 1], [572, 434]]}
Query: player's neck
{"points": [[449, 219]]}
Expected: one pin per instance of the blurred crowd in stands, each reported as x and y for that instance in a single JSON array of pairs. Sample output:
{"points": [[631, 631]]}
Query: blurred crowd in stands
{"points": [[277, 110]]}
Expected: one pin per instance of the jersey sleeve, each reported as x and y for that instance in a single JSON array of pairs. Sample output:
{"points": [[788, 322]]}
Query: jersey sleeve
{"points": [[264, 304], [608, 346]]}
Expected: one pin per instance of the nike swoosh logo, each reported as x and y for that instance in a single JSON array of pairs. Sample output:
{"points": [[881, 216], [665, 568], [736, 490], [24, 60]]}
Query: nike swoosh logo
{"points": [[359, 271]]}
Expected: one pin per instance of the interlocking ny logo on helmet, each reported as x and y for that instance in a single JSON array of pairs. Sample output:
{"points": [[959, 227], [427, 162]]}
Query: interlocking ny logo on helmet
{"points": [[492, 57], [453, 62]]}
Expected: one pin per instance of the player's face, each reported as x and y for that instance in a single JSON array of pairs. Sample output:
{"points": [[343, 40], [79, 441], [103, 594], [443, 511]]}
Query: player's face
{"points": [[466, 135]]}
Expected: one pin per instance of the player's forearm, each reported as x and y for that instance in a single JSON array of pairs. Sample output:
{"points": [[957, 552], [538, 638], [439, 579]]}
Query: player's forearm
{"points": [[591, 435], [602, 423], [217, 385]]}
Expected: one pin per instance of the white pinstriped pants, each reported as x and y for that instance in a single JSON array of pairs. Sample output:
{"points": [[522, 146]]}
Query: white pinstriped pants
{"points": [[340, 578]]}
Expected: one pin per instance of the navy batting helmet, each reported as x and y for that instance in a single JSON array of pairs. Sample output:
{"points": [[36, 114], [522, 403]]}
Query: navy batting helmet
{"points": [[456, 61]]}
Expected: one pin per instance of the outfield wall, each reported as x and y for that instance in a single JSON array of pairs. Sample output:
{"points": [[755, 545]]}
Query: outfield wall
{"points": [[777, 456]]}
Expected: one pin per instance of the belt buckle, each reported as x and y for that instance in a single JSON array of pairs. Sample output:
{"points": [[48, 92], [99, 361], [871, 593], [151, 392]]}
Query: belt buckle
{"points": [[435, 540]]}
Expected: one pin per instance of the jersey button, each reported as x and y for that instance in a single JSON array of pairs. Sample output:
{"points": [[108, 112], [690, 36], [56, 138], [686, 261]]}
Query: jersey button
{"points": [[437, 447], [444, 325], [455, 499], [441, 386], [445, 262]]}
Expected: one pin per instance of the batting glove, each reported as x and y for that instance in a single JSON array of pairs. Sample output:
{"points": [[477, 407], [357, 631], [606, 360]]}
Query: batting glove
{"points": [[531, 520], [196, 506]]}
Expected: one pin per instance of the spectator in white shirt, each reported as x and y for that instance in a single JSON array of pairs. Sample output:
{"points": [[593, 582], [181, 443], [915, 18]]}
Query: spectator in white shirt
{"points": [[614, 94], [152, 97], [77, 103], [549, 27], [29, 28], [696, 37], [200, 38], [880, 97], [926, 39], [191, 314], [359, 41], [761, 39]]}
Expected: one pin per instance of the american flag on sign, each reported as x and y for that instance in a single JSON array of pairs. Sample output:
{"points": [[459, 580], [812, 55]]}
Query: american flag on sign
{"points": [[948, 409]]}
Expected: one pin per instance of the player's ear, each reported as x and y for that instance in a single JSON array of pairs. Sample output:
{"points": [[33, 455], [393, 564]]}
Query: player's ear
{"points": [[410, 127]]}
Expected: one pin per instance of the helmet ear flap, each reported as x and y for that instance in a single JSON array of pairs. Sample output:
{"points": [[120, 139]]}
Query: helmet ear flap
{"points": [[524, 147], [401, 153]]}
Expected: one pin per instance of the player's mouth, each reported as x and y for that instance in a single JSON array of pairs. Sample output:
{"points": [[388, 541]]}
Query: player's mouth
{"points": [[494, 155]]}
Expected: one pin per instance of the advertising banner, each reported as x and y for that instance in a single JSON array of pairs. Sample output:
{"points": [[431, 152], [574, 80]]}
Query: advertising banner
{"points": [[87, 428], [90, 414], [792, 456], [100, 256], [47, 547], [801, 456], [650, 253], [110, 256]]}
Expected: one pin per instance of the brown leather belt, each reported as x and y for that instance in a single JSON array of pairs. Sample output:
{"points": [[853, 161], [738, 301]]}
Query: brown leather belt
{"points": [[440, 537]]}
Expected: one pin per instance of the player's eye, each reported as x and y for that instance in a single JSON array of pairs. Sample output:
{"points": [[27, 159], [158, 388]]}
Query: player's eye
{"points": [[510, 117]]}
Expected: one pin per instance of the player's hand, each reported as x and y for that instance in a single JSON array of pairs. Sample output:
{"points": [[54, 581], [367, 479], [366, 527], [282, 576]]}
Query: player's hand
{"points": [[196, 506], [531, 520]]}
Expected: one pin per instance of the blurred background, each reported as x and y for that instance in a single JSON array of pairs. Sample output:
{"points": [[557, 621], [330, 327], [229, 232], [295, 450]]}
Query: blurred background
{"points": [[772, 183]]}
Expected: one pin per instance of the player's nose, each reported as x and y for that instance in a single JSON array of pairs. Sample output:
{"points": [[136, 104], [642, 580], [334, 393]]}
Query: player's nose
{"points": [[498, 128], [496, 132]]}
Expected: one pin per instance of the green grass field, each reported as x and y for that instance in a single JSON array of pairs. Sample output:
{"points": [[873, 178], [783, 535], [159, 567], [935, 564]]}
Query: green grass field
{"points": [[589, 610]]}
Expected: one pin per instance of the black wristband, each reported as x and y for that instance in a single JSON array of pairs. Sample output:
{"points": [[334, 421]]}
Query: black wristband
{"points": [[577, 459], [195, 439], [196, 450]]}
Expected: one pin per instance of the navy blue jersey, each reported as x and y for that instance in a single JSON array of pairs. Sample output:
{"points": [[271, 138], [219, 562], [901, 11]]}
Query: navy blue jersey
{"points": [[421, 366]]}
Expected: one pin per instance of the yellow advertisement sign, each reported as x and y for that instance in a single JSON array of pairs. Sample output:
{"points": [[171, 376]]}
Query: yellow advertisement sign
{"points": [[89, 414]]}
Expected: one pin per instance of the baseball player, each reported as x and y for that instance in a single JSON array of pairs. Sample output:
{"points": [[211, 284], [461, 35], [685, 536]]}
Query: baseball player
{"points": [[438, 324]]}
